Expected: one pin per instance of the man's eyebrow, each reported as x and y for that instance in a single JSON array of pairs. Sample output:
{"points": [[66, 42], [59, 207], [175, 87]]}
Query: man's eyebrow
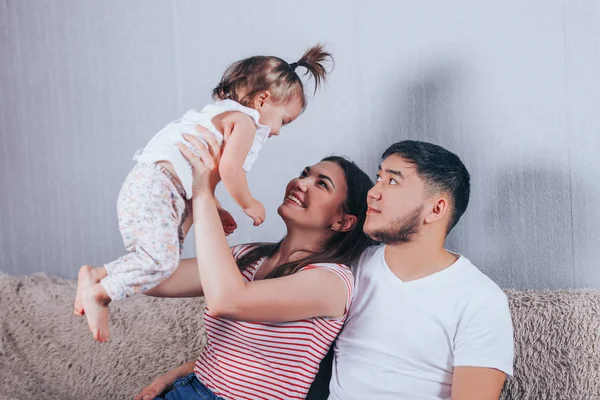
{"points": [[393, 172]]}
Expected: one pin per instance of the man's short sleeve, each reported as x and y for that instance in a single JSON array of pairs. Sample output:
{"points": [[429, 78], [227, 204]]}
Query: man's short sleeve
{"points": [[484, 336]]}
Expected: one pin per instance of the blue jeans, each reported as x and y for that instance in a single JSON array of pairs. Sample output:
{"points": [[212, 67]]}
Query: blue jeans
{"points": [[189, 388]]}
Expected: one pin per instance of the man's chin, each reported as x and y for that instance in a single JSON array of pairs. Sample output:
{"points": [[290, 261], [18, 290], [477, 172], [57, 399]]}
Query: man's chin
{"points": [[372, 233]]}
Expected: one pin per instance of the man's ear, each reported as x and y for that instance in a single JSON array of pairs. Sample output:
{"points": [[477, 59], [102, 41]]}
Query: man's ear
{"points": [[439, 209]]}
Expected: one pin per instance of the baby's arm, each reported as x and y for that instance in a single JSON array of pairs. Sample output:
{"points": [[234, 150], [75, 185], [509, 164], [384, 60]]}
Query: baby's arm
{"points": [[239, 135]]}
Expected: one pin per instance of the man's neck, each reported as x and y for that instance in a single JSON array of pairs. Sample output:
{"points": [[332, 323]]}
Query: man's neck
{"points": [[417, 259]]}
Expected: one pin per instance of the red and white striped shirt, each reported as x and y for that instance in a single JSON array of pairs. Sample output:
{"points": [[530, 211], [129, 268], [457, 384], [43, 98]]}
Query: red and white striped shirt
{"points": [[259, 360]]}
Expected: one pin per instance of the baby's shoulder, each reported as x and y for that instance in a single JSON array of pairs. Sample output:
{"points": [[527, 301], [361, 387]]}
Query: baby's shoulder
{"points": [[238, 116]]}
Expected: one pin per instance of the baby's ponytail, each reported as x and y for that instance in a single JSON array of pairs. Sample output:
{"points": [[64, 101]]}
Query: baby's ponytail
{"points": [[314, 61]]}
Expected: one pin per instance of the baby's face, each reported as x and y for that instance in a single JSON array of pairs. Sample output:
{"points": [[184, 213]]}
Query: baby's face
{"points": [[276, 115]]}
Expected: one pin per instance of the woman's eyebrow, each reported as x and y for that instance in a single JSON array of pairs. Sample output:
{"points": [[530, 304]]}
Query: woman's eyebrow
{"points": [[327, 178], [307, 171]]}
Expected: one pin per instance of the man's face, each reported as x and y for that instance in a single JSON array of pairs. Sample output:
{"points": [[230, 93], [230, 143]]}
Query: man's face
{"points": [[396, 203]]}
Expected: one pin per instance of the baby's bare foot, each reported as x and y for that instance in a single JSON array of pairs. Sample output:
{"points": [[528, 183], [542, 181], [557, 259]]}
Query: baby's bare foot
{"points": [[97, 275], [95, 303], [78, 307]]}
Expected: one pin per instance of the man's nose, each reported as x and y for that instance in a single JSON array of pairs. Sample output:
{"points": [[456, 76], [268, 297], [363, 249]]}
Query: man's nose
{"points": [[374, 193]]}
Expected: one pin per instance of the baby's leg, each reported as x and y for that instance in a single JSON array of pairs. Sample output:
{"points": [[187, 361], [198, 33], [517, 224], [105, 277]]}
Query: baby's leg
{"points": [[185, 281], [97, 274], [151, 214], [188, 220], [95, 303]]}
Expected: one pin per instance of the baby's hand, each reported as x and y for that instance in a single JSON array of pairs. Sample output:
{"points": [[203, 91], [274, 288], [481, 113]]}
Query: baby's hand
{"points": [[229, 224], [256, 211]]}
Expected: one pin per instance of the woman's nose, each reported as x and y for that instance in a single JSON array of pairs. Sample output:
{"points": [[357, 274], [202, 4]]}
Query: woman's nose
{"points": [[301, 184]]}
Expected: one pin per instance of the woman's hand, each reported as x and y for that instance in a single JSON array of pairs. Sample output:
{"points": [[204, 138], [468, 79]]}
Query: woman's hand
{"points": [[159, 385], [205, 171], [227, 220]]}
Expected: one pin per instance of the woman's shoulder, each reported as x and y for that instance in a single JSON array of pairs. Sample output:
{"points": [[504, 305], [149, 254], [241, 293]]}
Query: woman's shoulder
{"points": [[240, 250], [346, 275], [340, 269], [328, 265]]}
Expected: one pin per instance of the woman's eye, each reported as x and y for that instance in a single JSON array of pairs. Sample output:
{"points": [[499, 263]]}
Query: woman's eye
{"points": [[378, 179], [323, 184], [303, 174], [393, 182]]}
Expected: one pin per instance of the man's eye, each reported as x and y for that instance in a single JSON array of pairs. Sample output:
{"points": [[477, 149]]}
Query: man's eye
{"points": [[378, 178], [393, 181]]}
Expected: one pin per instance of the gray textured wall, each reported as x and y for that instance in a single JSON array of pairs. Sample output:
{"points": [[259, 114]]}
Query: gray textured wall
{"points": [[513, 87]]}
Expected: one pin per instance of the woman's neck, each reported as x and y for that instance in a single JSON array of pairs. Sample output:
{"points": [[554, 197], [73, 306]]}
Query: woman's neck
{"points": [[297, 245]]}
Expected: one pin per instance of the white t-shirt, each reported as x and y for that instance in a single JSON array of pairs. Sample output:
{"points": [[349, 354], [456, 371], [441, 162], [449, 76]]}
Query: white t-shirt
{"points": [[403, 339], [163, 146]]}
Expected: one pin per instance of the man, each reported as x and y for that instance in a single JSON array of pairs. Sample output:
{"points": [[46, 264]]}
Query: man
{"points": [[425, 323]]}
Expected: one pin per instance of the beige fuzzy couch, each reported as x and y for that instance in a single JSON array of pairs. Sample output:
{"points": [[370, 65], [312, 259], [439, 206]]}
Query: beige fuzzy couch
{"points": [[46, 353]]}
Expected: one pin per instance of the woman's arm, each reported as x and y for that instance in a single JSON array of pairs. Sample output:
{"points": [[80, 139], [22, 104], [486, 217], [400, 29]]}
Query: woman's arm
{"points": [[184, 282], [165, 382], [312, 293]]}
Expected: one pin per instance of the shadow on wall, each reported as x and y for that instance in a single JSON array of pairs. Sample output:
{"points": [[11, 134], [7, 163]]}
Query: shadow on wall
{"points": [[520, 224], [529, 228], [430, 107], [585, 194], [424, 105]]}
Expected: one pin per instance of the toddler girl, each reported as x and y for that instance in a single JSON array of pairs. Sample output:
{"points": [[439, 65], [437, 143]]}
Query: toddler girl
{"points": [[256, 97]]}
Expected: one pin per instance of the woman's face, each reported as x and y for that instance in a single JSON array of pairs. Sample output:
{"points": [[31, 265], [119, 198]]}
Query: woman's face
{"points": [[314, 199]]}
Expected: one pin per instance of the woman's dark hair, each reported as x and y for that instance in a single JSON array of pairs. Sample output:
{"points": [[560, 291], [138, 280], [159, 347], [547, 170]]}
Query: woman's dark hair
{"points": [[342, 247], [254, 75]]}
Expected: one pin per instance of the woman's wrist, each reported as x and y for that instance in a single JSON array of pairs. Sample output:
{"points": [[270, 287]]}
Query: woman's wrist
{"points": [[204, 195], [179, 372]]}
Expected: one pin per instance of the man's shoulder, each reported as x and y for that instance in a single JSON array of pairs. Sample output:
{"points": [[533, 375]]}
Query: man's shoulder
{"points": [[480, 288], [366, 257]]}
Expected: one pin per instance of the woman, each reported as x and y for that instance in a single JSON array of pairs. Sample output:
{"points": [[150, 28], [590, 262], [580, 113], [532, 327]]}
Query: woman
{"points": [[299, 289]]}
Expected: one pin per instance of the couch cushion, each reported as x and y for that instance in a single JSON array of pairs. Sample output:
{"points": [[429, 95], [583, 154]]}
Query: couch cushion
{"points": [[557, 345], [46, 352]]}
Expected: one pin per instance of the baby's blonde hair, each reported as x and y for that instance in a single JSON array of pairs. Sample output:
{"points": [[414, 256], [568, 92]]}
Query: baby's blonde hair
{"points": [[254, 75]]}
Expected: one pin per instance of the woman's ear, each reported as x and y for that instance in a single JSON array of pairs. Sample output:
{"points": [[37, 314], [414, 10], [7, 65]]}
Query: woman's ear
{"points": [[346, 224]]}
